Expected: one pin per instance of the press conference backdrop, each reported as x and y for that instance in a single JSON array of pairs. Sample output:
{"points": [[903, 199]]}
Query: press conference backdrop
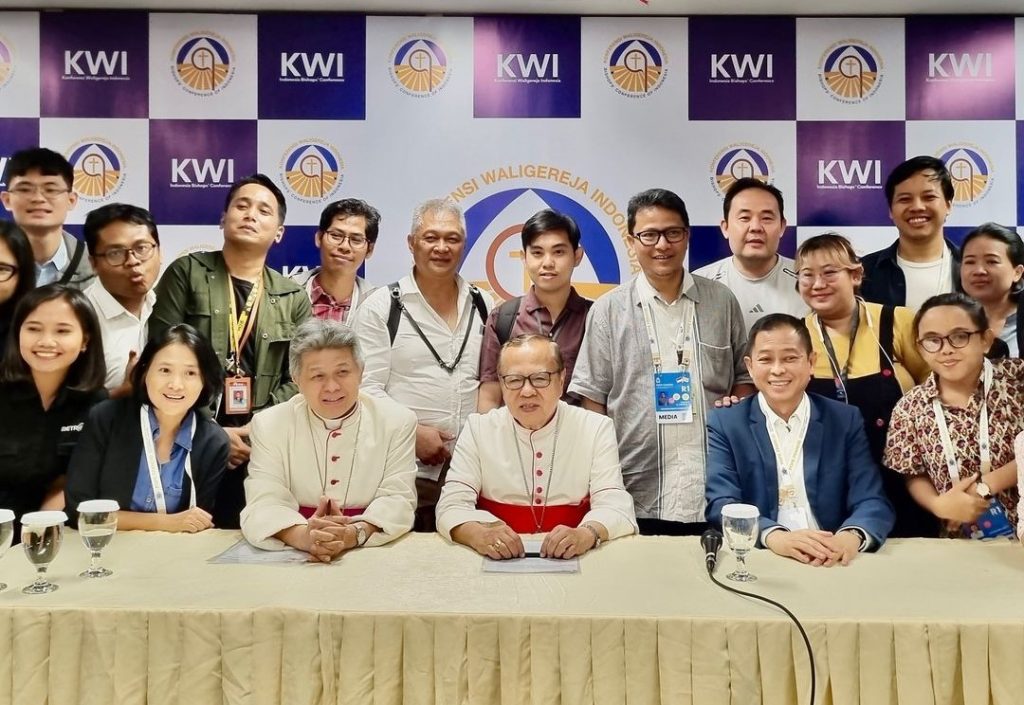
{"points": [[507, 115]]}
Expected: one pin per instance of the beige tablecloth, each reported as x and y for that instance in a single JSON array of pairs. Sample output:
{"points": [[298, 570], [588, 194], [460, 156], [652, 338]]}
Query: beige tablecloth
{"points": [[922, 622]]}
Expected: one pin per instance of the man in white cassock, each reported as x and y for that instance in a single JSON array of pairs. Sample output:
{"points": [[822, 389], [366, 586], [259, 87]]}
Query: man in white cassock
{"points": [[331, 469], [535, 466]]}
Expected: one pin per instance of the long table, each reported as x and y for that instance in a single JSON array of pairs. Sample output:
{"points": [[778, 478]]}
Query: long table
{"points": [[418, 622]]}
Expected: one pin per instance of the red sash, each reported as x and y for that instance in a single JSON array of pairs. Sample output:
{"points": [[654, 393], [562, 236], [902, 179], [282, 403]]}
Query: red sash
{"points": [[521, 519], [308, 512]]}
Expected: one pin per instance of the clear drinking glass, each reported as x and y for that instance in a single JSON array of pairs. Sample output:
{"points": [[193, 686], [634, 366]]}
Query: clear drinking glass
{"points": [[6, 534], [97, 523], [41, 536], [739, 524]]}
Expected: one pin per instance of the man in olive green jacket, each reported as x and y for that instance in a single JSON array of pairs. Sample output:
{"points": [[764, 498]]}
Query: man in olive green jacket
{"points": [[247, 311]]}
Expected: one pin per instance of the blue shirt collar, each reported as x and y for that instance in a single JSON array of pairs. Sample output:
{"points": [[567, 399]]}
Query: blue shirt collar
{"points": [[184, 437]]}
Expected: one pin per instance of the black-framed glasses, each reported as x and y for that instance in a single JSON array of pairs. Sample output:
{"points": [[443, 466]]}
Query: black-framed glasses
{"points": [[7, 271], [538, 380], [117, 256], [957, 339], [671, 235], [49, 192], [354, 241]]}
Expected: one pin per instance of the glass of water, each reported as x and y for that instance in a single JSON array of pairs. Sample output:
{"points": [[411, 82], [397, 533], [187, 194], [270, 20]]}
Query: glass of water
{"points": [[97, 522], [41, 536], [6, 534], [739, 524]]}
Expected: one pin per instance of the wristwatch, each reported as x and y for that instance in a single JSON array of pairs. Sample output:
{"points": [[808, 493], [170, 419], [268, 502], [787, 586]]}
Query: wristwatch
{"points": [[360, 534], [983, 489], [597, 536]]}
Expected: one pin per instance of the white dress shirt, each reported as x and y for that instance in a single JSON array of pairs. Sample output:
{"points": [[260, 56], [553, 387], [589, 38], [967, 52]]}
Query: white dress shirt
{"points": [[585, 464], [407, 372], [297, 458], [123, 332], [788, 443]]}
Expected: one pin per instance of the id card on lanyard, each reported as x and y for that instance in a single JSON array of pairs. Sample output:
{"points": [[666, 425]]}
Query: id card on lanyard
{"points": [[994, 522], [154, 466], [793, 510], [237, 386], [673, 390]]}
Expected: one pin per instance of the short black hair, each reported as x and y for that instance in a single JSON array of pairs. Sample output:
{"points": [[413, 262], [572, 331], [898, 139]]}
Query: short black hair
{"points": [[746, 183], [1014, 248], [549, 220], [655, 198], [974, 309], [24, 260], [347, 207], [103, 216], [89, 371], [775, 321], [209, 366], [264, 181], [912, 166], [45, 161]]}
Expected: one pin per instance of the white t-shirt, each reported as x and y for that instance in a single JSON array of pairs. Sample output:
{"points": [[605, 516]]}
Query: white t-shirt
{"points": [[926, 279], [775, 292]]}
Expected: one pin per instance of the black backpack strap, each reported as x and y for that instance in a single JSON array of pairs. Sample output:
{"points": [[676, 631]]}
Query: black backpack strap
{"points": [[76, 259], [886, 324], [478, 302], [395, 313], [505, 319]]}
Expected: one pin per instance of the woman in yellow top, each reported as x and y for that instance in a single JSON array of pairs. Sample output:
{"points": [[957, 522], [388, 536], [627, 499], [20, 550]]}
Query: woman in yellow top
{"points": [[866, 355]]}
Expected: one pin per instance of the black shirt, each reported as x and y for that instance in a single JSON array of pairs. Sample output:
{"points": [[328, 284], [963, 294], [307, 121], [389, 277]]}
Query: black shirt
{"points": [[36, 443], [241, 290]]}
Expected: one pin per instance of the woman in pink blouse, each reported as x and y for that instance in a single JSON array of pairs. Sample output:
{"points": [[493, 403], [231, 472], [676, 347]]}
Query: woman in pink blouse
{"points": [[953, 436]]}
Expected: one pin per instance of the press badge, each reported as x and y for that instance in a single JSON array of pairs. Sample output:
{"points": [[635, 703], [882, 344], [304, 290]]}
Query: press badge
{"points": [[992, 524], [237, 395], [673, 402], [793, 518]]}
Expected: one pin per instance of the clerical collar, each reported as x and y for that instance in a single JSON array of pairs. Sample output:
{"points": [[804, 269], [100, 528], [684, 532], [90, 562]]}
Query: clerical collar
{"points": [[335, 424], [542, 432]]}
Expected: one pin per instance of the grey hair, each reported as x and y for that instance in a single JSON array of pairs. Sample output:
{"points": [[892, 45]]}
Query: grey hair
{"points": [[437, 205], [315, 334]]}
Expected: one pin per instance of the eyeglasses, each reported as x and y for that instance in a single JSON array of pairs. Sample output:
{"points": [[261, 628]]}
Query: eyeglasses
{"points": [[957, 339], [117, 256], [671, 235], [829, 274], [28, 190], [354, 241], [7, 271], [538, 380]]}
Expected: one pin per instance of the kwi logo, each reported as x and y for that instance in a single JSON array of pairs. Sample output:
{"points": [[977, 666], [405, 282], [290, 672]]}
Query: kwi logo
{"points": [[95, 63], [950, 65], [319, 65], [192, 172], [518, 66], [853, 173], [742, 66]]}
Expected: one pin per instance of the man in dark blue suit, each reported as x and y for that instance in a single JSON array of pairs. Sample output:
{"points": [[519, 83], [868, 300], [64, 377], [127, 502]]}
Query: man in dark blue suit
{"points": [[802, 459]]}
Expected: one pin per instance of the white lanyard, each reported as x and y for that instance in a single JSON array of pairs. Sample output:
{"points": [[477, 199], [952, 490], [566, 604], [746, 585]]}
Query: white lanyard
{"points": [[797, 440], [684, 325], [154, 466], [983, 440]]}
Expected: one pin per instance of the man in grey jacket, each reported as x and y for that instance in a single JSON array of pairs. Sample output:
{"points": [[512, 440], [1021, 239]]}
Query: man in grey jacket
{"points": [[659, 351], [40, 192]]}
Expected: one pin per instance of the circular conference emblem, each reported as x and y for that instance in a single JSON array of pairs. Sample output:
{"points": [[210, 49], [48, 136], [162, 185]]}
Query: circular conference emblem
{"points": [[635, 65], [312, 170], [493, 228], [850, 71], [419, 65], [98, 168], [6, 62], [971, 171], [738, 161], [203, 63]]}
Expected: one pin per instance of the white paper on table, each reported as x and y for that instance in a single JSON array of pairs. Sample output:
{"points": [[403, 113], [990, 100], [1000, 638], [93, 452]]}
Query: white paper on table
{"points": [[243, 553], [532, 564]]}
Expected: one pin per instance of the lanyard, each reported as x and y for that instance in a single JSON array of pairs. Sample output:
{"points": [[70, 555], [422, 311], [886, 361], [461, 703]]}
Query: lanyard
{"points": [[240, 325], [841, 374], [983, 440], [798, 443], [448, 367], [652, 336], [154, 466]]}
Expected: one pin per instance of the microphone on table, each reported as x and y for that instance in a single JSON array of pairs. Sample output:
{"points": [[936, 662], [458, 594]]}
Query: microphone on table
{"points": [[711, 542]]}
